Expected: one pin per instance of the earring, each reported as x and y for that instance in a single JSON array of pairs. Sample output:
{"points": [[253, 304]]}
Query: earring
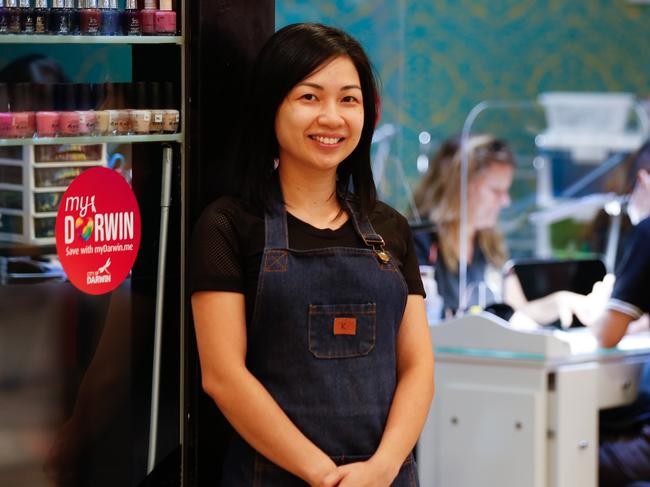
{"points": [[276, 163]]}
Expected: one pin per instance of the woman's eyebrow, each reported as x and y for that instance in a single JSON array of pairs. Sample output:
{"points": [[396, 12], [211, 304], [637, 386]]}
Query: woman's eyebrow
{"points": [[319, 87]]}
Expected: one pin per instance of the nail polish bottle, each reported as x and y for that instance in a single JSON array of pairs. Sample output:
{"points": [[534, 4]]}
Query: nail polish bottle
{"points": [[26, 17], [47, 119], [24, 119], [69, 121], [14, 17], [90, 18], [110, 17], [41, 17], [172, 115], [157, 111], [74, 18], [165, 19], [101, 114], [4, 18], [85, 109], [123, 106], [5, 115], [148, 17], [141, 114], [59, 20], [131, 24]]}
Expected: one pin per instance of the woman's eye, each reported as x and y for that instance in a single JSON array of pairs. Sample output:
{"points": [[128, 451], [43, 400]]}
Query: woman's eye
{"points": [[308, 97], [350, 99]]}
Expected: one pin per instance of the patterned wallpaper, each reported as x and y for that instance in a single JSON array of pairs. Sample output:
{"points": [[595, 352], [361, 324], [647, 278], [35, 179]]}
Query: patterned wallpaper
{"points": [[439, 58]]}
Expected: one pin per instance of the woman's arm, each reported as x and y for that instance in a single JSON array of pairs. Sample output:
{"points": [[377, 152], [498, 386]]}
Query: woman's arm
{"points": [[220, 322], [408, 412]]}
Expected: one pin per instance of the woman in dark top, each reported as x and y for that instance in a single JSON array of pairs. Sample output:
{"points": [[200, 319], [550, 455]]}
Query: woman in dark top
{"points": [[307, 301]]}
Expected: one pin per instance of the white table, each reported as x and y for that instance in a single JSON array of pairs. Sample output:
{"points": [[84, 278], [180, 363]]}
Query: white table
{"points": [[520, 408]]}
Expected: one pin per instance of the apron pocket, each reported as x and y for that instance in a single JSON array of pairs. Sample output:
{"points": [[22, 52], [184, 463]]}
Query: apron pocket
{"points": [[342, 330]]}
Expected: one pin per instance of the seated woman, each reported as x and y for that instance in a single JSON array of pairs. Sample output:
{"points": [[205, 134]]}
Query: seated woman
{"points": [[491, 166], [490, 173]]}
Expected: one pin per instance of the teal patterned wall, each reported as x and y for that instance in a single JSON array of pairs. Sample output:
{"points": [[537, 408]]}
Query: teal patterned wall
{"points": [[439, 58]]}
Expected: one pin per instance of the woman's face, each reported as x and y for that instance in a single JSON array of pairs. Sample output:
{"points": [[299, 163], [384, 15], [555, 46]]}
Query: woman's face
{"points": [[319, 123], [488, 194]]}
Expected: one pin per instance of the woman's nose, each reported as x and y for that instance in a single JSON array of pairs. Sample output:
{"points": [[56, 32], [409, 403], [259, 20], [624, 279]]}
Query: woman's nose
{"points": [[330, 115]]}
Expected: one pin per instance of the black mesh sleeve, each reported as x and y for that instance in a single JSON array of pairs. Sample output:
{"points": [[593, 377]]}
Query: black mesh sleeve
{"points": [[215, 253]]}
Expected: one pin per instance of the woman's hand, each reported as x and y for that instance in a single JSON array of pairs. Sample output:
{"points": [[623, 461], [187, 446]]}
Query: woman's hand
{"points": [[332, 479], [371, 473]]}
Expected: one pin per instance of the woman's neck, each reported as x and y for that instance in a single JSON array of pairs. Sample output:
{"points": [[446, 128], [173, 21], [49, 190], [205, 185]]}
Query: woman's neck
{"points": [[312, 198]]}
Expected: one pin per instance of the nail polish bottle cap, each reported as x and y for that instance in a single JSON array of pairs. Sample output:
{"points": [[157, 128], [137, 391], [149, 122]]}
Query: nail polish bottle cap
{"points": [[69, 103], [131, 5], [46, 97], [85, 97], [57, 4], [68, 3], [104, 4], [91, 3], [4, 97], [21, 95], [154, 96], [41, 4], [140, 101], [113, 4], [150, 5], [129, 95], [99, 96], [24, 3], [169, 100], [166, 5], [12, 3], [81, 4]]}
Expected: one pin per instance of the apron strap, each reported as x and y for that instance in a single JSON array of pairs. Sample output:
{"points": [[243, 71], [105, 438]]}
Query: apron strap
{"points": [[364, 228], [275, 227]]}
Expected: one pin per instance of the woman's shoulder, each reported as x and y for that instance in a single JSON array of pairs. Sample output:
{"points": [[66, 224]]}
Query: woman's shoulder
{"points": [[384, 213], [233, 208]]}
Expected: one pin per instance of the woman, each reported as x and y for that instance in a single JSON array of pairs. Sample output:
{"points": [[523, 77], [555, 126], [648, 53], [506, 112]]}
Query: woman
{"points": [[307, 302], [490, 172]]}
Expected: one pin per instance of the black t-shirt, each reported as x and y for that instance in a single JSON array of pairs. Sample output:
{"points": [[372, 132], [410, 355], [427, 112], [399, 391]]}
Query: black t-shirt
{"points": [[631, 294], [228, 242]]}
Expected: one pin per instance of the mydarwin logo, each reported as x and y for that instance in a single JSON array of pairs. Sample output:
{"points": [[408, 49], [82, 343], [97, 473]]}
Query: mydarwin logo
{"points": [[98, 230]]}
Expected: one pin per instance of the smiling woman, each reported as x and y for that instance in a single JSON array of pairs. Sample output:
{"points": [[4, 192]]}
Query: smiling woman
{"points": [[307, 298]]}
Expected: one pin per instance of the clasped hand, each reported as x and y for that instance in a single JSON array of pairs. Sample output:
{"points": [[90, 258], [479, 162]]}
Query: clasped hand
{"points": [[370, 473]]}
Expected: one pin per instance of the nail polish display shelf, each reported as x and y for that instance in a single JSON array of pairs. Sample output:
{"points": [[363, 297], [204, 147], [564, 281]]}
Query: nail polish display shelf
{"points": [[116, 139], [33, 179], [70, 39]]}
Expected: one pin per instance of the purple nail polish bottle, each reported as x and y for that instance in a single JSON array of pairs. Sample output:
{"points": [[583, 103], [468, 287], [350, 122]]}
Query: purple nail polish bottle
{"points": [[26, 17], [59, 18], [4, 18], [131, 21], [14, 16]]}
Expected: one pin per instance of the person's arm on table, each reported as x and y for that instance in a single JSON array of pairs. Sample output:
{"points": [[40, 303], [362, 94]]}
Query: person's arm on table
{"points": [[220, 323], [408, 412]]}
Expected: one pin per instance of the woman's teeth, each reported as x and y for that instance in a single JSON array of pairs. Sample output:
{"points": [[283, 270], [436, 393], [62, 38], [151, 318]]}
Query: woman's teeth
{"points": [[327, 140]]}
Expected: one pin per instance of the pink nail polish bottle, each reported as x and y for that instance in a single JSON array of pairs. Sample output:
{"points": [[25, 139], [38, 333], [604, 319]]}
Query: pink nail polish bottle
{"points": [[69, 121], [165, 19], [24, 120], [148, 17], [47, 119], [102, 117], [86, 113], [5, 114], [124, 99]]}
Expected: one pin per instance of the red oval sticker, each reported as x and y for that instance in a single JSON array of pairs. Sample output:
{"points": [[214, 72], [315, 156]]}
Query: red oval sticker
{"points": [[98, 230]]}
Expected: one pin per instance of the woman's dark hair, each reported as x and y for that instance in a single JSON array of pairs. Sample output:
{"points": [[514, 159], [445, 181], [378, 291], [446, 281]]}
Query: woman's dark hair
{"points": [[288, 57]]}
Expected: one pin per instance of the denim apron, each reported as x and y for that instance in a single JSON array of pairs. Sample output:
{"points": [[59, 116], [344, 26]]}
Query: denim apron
{"points": [[323, 342]]}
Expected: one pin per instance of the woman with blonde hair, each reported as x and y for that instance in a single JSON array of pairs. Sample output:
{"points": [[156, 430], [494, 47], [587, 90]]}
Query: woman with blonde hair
{"points": [[490, 173]]}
